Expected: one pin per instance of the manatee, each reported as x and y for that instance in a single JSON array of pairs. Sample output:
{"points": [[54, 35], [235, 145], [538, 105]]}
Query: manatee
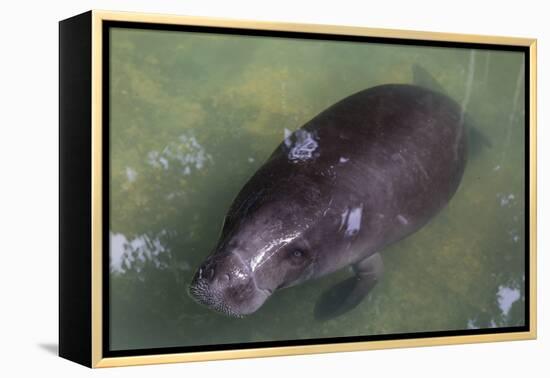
{"points": [[363, 174]]}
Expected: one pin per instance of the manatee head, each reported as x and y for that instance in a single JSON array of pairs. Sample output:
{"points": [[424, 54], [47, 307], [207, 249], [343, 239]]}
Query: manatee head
{"points": [[263, 247]]}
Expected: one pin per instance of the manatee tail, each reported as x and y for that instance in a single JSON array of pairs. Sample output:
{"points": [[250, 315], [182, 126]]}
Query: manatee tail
{"points": [[422, 78], [477, 140]]}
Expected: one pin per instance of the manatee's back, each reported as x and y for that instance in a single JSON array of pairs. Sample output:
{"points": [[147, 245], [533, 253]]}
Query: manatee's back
{"points": [[398, 149]]}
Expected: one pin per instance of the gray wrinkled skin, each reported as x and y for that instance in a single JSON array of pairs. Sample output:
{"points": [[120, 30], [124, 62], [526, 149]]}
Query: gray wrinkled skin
{"points": [[366, 172]]}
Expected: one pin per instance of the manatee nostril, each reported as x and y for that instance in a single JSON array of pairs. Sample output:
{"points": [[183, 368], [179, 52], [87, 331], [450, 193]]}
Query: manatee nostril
{"points": [[225, 277], [210, 273]]}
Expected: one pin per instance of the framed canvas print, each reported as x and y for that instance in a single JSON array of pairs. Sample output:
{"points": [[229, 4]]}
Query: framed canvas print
{"points": [[234, 189]]}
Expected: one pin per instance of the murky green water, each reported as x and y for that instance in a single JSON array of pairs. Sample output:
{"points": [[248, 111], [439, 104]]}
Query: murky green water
{"points": [[193, 116]]}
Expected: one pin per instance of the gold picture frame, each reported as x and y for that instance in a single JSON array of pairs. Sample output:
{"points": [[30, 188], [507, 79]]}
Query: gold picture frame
{"points": [[82, 237]]}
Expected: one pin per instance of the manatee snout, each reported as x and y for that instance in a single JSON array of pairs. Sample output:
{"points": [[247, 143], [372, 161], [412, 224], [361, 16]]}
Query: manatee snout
{"points": [[226, 284]]}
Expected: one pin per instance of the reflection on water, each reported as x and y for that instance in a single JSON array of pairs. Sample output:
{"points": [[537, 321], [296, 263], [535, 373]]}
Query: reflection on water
{"points": [[194, 116], [131, 254], [506, 298], [187, 153], [351, 220]]}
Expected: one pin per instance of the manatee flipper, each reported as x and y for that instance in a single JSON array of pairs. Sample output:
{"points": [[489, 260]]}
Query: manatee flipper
{"points": [[346, 295], [477, 140]]}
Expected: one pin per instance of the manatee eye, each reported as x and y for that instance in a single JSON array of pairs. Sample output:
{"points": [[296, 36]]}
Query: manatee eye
{"points": [[297, 256]]}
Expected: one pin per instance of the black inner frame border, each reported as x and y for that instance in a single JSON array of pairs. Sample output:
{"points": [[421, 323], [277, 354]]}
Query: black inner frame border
{"points": [[108, 25]]}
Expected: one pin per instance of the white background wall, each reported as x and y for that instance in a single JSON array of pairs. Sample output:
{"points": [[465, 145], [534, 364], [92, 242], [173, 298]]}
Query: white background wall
{"points": [[28, 200]]}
